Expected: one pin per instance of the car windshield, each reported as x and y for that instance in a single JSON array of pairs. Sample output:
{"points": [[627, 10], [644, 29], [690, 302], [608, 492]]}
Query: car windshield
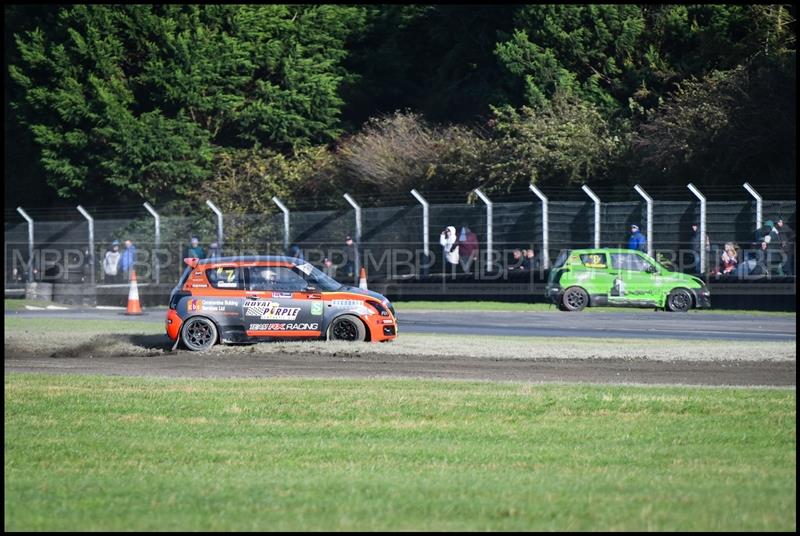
{"points": [[318, 278]]}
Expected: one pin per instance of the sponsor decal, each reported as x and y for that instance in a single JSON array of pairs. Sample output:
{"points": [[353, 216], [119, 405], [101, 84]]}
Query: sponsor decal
{"points": [[226, 284], [281, 294], [284, 326], [210, 305], [345, 303], [316, 308], [198, 273], [199, 286], [269, 310], [306, 268]]}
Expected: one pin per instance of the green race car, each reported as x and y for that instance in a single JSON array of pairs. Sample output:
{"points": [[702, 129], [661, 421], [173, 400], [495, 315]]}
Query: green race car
{"points": [[612, 276]]}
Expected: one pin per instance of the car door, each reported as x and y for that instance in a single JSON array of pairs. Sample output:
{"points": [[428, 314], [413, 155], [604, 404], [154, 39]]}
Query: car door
{"points": [[634, 279], [222, 299], [278, 304], [594, 277]]}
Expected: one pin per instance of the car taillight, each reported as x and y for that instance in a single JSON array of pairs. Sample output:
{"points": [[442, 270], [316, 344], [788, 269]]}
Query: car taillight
{"points": [[378, 306], [173, 302]]}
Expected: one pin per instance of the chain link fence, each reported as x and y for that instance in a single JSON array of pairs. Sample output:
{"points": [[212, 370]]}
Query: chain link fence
{"points": [[391, 243]]}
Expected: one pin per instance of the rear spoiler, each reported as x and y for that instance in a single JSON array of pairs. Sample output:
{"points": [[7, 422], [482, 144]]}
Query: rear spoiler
{"points": [[191, 261]]}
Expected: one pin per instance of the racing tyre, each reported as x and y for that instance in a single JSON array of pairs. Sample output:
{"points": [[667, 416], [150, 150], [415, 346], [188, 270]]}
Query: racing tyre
{"points": [[347, 328], [198, 333], [574, 299], [679, 300]]}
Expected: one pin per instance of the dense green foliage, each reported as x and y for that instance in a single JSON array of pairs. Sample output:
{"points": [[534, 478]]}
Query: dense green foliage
{"points": [[161, 102]]}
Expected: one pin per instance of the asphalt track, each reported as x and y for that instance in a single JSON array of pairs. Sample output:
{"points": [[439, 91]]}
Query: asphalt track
{"points": [[629, 325], [626, 325]]}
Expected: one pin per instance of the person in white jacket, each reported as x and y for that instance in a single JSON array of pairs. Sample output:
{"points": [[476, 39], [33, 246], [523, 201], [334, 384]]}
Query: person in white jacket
{"points": [[449, 241]]}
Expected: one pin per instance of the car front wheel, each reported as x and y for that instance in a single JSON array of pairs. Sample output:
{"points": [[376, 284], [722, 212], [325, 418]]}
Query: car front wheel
{"points": [[574, 299], [198, 333], [347, 328], [679, 300]]}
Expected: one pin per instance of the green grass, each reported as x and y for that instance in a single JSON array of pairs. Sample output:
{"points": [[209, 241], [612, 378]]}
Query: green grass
{"points": [[99, 453], [421, 305]]}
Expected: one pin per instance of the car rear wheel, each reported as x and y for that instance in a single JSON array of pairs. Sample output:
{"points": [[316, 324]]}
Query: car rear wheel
{"points": [[347, 328], [198, 333], [679, 300], [574, 299]]}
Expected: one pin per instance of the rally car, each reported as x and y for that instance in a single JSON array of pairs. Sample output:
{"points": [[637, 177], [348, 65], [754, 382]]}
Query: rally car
{"points": [[624, 277], [251, 299]]}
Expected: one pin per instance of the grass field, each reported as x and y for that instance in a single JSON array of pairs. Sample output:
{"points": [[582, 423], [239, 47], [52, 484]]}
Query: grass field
{"points": [[101, 453]]}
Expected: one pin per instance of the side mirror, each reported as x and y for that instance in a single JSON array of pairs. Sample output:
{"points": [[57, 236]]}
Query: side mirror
{"points": [[652, 269]]}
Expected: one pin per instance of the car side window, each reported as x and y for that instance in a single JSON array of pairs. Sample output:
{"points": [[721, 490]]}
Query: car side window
{"points": [[594, 260], [225, 277], [629, 261], [275, 278]]}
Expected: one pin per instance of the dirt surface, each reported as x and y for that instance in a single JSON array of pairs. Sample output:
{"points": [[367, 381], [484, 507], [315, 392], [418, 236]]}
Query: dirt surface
{"points": [[315, 365]]}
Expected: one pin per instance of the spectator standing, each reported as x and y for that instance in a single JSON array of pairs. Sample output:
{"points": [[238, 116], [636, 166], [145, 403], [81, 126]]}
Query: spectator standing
{"points": [[449, 243], [296, 252], [637, 240], [766, 230], [349, 264], [329, 268], [787, 240], [213, 250], [695, 243], [467, 247], [195, 250], [128, 260], [111, 261]]}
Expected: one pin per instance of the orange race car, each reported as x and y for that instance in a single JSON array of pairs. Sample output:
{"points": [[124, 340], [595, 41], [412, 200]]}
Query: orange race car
{"points": [[251, 299]]}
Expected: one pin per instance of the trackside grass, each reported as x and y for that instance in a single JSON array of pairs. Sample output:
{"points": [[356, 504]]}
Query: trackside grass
{"points": [[102, 453]]}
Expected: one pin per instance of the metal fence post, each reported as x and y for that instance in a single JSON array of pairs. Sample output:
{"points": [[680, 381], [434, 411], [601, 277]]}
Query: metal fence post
{"points": [[545, 230], [759, 203], [649, 201], [91, 240], [218, 212], [488, 228], [285, 222], [702, 246], [30, 242], [596, 200], [357, 208], [425, 221], [156, 267]]}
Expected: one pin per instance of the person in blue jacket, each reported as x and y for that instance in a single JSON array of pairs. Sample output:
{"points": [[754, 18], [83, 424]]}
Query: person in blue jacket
{"points": [[127, 260], [637, 241]]}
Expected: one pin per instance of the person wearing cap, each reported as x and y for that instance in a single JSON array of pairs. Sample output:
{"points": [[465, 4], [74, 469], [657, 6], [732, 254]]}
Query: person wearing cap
{"points": [[111, 263], [637, 240], [195, 250]]}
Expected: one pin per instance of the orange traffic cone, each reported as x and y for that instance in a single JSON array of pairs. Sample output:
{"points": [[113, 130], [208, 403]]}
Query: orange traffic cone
{"points": [[134, 308], [362, 279]]}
